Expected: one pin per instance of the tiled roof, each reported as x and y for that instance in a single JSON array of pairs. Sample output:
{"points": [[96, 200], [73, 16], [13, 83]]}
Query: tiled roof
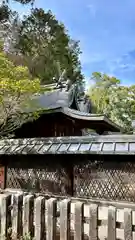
{"points": [[59, 98], [109, 144], [84, 116], [89, 117]]}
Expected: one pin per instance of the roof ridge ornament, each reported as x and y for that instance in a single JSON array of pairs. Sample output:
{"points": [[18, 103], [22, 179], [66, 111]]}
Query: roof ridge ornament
{"points": [[60, 81]]}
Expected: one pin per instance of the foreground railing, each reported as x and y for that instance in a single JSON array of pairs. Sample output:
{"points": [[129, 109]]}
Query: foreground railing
{"points": [[39, 218]]}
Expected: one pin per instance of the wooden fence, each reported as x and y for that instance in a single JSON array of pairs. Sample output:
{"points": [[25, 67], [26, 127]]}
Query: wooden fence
{"points": [[50, 219]]}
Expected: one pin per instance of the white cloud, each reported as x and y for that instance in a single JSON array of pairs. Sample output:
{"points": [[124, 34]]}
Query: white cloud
{"points": [[123, 63], [88, 58], [92, 9]]}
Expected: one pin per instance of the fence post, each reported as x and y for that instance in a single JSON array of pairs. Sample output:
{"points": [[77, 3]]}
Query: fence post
{"points": [[17, 202], [51, 207], [5, 215], [127, 224], [28, 202], [40, 218], [2, 176], [65, 219], [93, 212], [111, 223], [78, 221]]}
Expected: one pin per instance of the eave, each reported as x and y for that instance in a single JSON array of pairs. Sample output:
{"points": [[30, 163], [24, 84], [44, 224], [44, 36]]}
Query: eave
{"points": [[99, 145], [86, 120]]}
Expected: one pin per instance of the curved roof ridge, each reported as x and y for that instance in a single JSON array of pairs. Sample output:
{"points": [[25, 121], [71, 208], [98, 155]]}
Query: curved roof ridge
{"points": [[88, 116]]}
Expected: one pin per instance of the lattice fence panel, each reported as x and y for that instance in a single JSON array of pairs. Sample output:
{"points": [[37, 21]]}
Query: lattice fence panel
{"points": [[108, 180], [46, 180]]}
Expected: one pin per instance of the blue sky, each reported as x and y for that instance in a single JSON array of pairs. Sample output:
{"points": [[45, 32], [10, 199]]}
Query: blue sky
{"points": [[106, 30]]}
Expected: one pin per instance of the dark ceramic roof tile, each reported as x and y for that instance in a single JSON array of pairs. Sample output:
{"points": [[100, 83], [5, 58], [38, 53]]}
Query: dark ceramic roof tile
{"points": [[96, 147], [63, 147], [28, 148], [54, 147], [44, 148], [85, 147], [108, 147], [19, 149], [123, 144], [1, 146], [4, 149], [11, 149], [132, 147], [121, 147], [59, 98], [74, 147], [33, 148]]}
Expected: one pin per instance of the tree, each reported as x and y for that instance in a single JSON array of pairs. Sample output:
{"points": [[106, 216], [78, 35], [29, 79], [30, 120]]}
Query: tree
{"points": [[47, 48], [9, 19], [42, 43], [114, 100], [6, 12], [101, 90], [16, 88]]}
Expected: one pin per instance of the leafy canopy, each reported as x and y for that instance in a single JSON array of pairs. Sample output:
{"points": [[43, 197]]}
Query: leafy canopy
{"points": [[109, 97], [16, 88], [6, 12], [47, 47], [41, 43]]}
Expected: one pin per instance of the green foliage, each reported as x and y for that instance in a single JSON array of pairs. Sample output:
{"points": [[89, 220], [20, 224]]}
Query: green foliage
{"points": [[25, 1], [16, 89], [114, 100], [41, 43], [6, 12], [10, 234], [101, 90], [19, 1], [103, 80], [38, 50], [15, 80], [47, 48]]}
